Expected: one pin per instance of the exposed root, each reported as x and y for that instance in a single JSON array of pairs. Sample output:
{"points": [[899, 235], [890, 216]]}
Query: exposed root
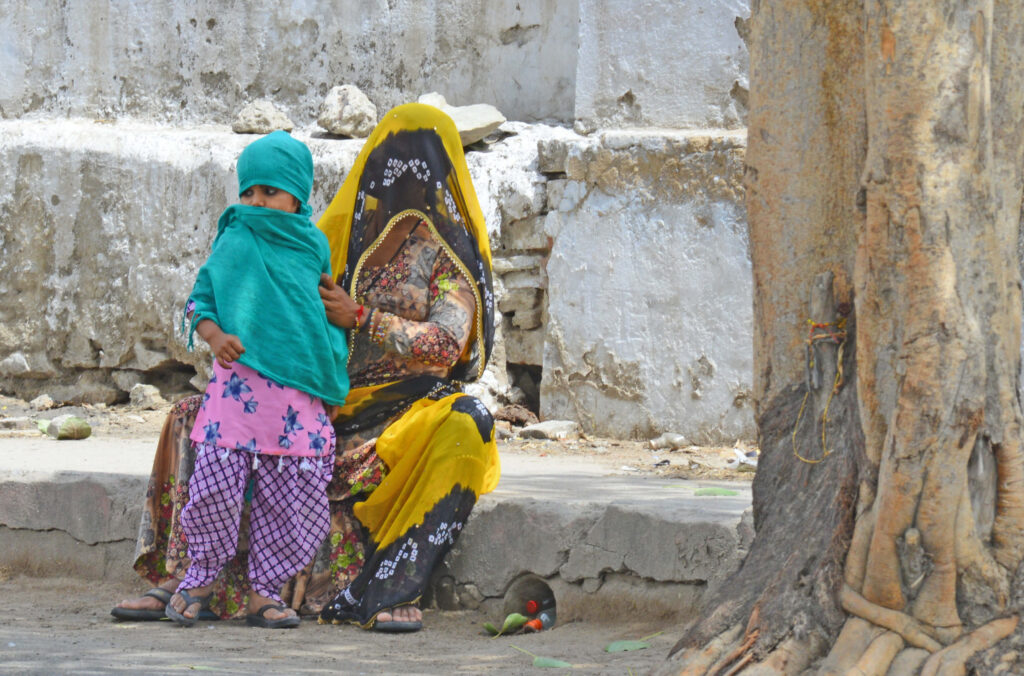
{"points": [[952, 660], [697, 661], [857, 556], [1008, 529], [913, 632], [876, 659], [789, 658], [854, 638], [741, 652]]}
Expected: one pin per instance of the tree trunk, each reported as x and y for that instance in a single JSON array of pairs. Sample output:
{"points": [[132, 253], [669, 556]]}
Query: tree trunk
{"points": [[884, 184]]}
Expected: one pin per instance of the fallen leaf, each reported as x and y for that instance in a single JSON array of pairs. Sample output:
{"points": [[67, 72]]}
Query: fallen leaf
{"points": [[714, 490]]}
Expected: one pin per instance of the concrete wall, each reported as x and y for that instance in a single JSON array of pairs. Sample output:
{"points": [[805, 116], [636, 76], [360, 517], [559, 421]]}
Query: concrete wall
{"points": [[607, 63], [202, 60], [650, 247], [651, 63]]}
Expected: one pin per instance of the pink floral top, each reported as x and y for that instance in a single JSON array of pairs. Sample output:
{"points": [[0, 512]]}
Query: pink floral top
{"points": [[244, 411]]}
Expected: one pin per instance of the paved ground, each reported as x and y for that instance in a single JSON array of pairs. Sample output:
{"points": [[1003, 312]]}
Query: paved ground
{"points": [[581, 501]]}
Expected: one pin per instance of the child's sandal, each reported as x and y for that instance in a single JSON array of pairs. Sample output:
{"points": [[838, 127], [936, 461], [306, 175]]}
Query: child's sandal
{"points": [[202, 601]]}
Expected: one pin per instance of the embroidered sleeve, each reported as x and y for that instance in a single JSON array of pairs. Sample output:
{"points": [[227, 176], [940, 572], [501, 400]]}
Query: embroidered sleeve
{"points": [[440, 340]]}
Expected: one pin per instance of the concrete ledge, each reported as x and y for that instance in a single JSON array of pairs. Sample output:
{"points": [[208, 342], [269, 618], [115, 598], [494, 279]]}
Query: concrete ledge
{"points": [[601, 542]]}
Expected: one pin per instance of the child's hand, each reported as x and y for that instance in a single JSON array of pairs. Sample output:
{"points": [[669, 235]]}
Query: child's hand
{"points": [[226, 347]]}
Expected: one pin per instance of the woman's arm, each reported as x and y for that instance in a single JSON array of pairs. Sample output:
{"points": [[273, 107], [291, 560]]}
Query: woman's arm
{"points": [[340, 308], [440, 339]]}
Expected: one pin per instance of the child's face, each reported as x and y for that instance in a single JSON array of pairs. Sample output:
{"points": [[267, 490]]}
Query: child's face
{"points": [[269, 198]]}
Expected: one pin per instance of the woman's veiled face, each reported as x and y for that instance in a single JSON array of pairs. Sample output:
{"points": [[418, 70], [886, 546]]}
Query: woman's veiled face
{"points": [[269, 197]]}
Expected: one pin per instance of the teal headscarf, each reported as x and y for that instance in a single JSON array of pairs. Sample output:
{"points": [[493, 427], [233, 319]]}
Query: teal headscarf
{"points": [[280, 161], [261, 279]]}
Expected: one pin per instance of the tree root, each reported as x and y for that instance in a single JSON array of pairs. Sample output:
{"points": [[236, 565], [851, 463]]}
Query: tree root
{"points": [[913, 632], [697, 661], [952, 660], [876, 659]]}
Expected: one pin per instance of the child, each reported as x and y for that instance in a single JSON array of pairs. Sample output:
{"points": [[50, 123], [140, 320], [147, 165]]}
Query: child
{"points": [[278, 362]]}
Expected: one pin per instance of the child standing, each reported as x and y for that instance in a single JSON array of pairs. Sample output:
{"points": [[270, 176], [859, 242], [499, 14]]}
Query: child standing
{"points": [[278, 362]]}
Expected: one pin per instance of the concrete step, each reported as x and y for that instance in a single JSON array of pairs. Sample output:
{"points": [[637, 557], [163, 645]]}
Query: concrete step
{"points": [[600, 541]]}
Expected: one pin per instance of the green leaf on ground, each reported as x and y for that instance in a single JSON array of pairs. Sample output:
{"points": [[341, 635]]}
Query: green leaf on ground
{"points": [[512, 624], [544, 662], [625, 646], [714, 490]]}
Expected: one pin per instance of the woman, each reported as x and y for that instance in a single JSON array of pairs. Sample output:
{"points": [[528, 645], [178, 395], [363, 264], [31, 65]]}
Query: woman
{"points": [[414, 453]]}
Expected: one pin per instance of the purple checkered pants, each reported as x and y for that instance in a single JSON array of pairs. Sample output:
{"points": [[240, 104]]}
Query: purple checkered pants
{"points": [[288, 519]]}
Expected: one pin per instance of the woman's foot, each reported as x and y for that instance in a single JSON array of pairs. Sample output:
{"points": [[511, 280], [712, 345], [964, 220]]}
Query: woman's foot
{"points": [[185, 609], [401, 614], [149, 602]]}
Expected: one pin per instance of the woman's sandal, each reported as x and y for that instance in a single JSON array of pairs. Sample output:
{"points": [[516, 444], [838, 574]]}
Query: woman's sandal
{"points": [[258, 619], [152, 614], [203, 601]]}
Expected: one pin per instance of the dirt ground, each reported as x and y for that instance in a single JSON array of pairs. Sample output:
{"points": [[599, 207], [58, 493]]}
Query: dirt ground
{"points": [[63, 626], [58, 626]]}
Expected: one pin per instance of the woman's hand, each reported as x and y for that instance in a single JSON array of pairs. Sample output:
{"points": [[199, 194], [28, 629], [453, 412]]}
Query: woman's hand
{"points": [[340, 308], [226, 347]]}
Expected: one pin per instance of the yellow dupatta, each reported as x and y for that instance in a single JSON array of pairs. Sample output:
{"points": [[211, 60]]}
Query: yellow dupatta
{"points": [[432, 447]]}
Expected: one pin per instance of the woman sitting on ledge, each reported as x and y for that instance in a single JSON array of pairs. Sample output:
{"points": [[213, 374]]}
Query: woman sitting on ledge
{"points": [[414, 453]]}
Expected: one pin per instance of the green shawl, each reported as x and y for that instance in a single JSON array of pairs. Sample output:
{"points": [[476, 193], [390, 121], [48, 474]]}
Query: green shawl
{"points": [[260, 283]]}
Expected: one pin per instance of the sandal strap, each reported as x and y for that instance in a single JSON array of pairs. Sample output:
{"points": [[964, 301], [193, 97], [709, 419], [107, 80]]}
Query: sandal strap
{"points": [[160, 594], [268, 606], [203, 601]]}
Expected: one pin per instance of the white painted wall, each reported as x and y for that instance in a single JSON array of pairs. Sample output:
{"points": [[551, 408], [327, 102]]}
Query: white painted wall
{"points": [[661, 63], [606, 63], [202, 60]]}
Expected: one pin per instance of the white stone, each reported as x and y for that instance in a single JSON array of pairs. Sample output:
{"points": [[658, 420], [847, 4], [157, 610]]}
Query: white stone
{"points": [[347, 112], [14, 364], [555, 430], [473, 122], [146, 397], [42, 403], [261, 117]]}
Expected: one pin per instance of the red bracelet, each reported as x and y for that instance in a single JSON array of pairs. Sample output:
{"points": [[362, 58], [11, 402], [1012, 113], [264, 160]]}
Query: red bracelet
{"points": [[359, 317]]}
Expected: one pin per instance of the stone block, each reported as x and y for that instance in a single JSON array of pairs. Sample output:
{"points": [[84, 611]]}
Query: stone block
{"points": [[517, 263], [515, 300], [555, 430], [525, 279], [474, 122], [261, 117], [525, 234], [524, 347], [552, 156], [347, 112], [528, 319]]}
